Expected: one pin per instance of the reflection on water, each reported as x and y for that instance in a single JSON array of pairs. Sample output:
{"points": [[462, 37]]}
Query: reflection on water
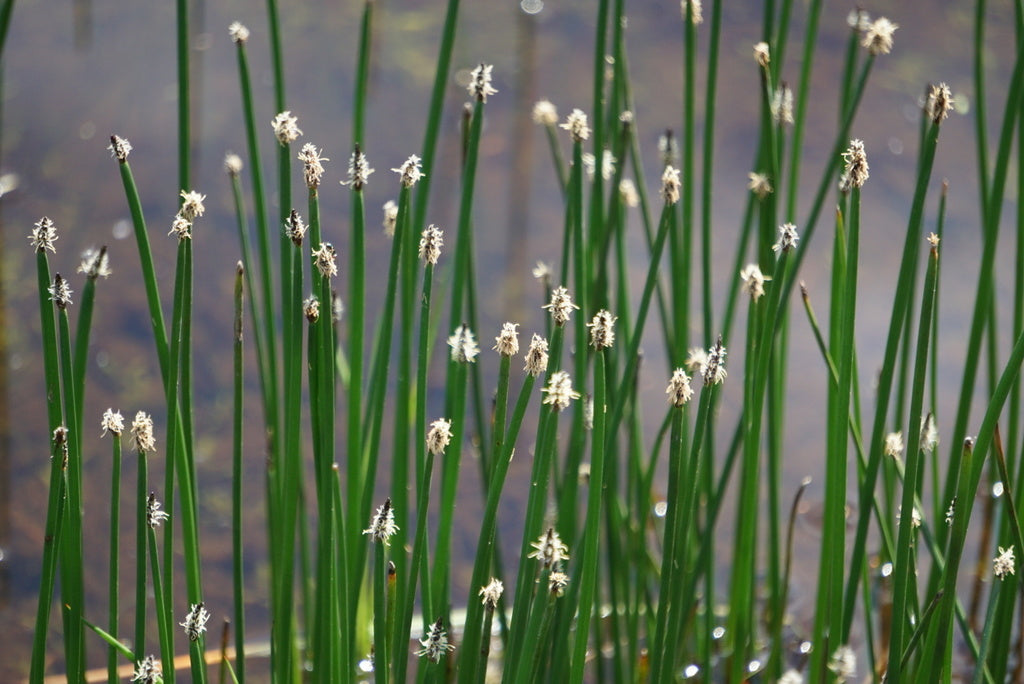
{"points": [[69, 82]]}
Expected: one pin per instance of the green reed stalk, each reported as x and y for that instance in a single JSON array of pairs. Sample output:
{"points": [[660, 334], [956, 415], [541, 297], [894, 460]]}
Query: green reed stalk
{"points": [[184, 94], [905, 567], [418, 569], [58, 464], [362, 73], [381, 654], [164, 611], [591, 528], [707, 165], [237, 548], [114, 559], [84, 323], [533, 650], [796, 149], [141, 540], [71, 557], [362, 465], [264, 324]]}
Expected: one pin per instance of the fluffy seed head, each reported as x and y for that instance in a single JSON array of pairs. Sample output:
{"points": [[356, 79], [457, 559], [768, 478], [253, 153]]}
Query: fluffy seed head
{"points": [[560, 306], [463, 345], [480, 82], [112, 422], [491, 593], [791, 676], [311, 308], [358, 170], [154, 514], [312, 165], [939, 102], [195, 621], [549, 549], [119, 148], [859, 20], [542, 272], [43, 235], [878, 36], [668, 148], [439, 436], [929, 433], [60, 292], [323, 258], [232, 164], [430, 244], [627, 190], [286, 128], [576, 124], [559, 391], [181, 227], [142, 432], [545, 113], [1004, 564], [294, 228], [557, 582], [382, 524], [507, 341], [602, 330], [696, 10], [856, 171], [933, 240], [679, 390], [753, 281], [95, 263], [787, 238], [782, 105], [670, 185], [696, 359], [238, 32], [410, 171], [537, 356], [435, 643]]}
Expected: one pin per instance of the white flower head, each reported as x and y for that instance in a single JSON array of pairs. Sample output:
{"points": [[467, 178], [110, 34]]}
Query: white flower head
{"points": [[759, 184], [238, 32], [232, 164], [782, 105], [119, 148], [696, 359], [893, 445], [480, 82], [576, 124], [312, 165], [679, 390], [545, 113], [542, 272], [311, 308], [491, 593], [390, 217], [668, 148], [559, 391], [430, 244], [439, 436], [507, 341], [358, 170], [843, 663], [762, 54], [181, 227], [939, 102], [95, 263], [696, 10], [627, 190], [464, 348], [560, 306], [549, 549], [43, 235], [537, 356], [286, 128], [557, 582], [154, 514], [929, 433], [142, 432], [435, 643], [753, 281], [294, 227], [878, 36], [788, 238], [410, 171], [324, 259], [147, 671], [1004, 564], [60, 292], [950, 512], [382, 524], [112, 422], [791, 676], [195, 621], [191, 205], [713, 369], [855, 173], [602, 330], [670, 185]]}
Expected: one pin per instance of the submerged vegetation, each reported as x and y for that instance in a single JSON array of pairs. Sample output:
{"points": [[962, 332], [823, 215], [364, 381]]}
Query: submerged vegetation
{"points": [[618, 573]]}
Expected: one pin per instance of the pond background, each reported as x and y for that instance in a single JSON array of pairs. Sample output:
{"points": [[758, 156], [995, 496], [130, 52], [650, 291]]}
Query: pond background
{"points": [[75, 73]]}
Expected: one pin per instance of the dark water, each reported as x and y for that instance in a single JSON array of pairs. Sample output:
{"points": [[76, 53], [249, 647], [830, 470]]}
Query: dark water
{"points": [[73, 75]]}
